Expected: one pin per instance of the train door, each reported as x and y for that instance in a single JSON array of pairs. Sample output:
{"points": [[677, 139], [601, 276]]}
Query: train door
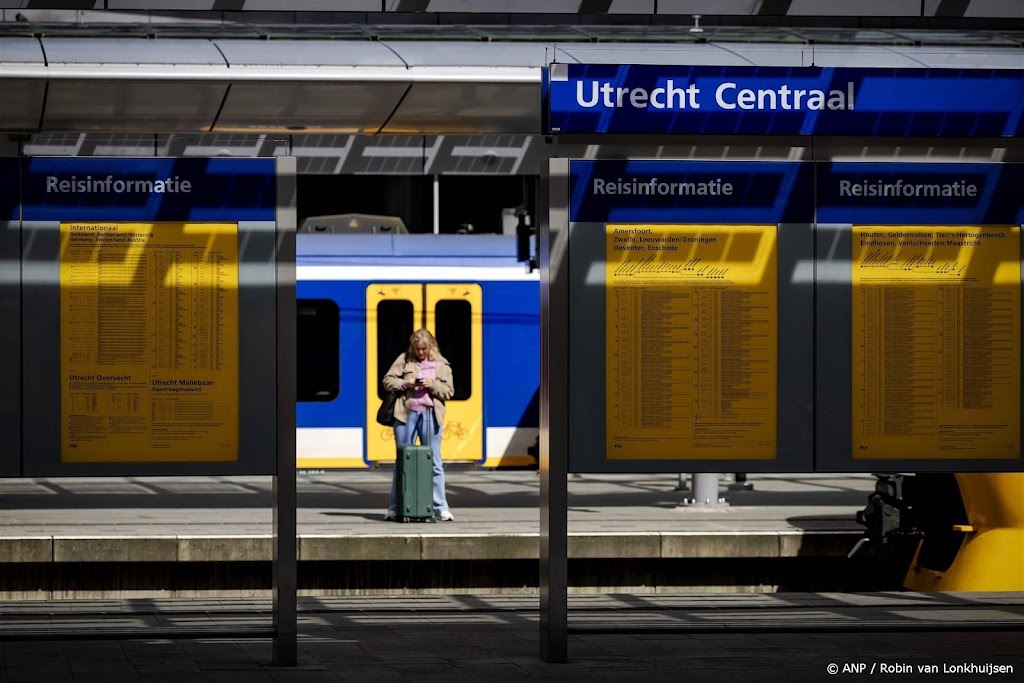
{"points": [[452, 313]]}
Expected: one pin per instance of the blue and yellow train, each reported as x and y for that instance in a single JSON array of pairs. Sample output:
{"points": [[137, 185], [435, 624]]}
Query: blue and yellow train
{"points": [[359, 299]]}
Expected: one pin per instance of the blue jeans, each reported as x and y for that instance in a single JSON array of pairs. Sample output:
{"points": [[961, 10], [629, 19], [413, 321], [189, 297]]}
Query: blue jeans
{"points": [[422, 424]]}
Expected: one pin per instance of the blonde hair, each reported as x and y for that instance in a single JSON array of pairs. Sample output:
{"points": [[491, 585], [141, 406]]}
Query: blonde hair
{"points": [[423, 336]]}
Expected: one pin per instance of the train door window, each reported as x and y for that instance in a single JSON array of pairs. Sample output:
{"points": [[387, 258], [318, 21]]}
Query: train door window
{"points": [[394, 327], [454, 336], [317, 339]]}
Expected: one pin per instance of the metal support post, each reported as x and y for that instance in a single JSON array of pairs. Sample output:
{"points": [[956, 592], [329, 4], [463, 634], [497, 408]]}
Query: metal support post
{"points": [[437, 205], [704, 491], [554, 414], [285, 569]]}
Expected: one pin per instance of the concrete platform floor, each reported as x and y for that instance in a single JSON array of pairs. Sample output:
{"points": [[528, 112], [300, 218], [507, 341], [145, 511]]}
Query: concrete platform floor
{"points": [[792, 637], [353, 502]]}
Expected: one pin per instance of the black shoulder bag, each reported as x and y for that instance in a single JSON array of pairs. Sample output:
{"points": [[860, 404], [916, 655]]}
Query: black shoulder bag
{"points": [[386, 412]]}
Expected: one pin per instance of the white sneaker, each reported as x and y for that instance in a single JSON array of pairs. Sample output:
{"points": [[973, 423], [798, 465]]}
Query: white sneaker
{"points": [[446, 516], [390, 516]]}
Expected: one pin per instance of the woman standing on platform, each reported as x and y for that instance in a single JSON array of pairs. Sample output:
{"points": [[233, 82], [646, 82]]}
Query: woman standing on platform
{"points": [[423, 379]]}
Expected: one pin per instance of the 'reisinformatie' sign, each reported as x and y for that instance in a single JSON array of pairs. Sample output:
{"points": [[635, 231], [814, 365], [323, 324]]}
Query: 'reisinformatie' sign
{"points": [[919, 310], [691, 341], [149, 330], [689, 338], [150, 348]]}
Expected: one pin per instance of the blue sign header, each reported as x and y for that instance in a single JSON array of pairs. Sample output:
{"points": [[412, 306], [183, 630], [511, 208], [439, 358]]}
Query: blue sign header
{"points": [[8, 189], [617, 191], [149, 189], [920, 194], [646, 99]]}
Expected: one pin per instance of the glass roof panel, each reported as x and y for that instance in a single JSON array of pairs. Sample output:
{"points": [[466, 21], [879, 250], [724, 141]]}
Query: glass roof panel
{"points": [[200, 31], [730, 34], [313, 31], [957, 38], [855, 37], [529, 33], [422, 32], [644, 34], [1013, 36], [92, 30]]}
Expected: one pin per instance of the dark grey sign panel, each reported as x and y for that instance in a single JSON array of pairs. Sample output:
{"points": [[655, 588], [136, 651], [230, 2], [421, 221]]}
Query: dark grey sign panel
{"points": [[919, 312], [10, 319], [239, 196], [661, 209]]}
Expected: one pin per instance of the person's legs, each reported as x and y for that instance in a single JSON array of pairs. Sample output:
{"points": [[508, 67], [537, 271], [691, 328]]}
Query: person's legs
{"points": [[433, 434], [403, 437]]}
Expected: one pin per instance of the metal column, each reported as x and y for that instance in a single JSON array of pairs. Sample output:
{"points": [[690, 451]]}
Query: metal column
{"points": [[554, 413], [285, 571], [705, 489]]}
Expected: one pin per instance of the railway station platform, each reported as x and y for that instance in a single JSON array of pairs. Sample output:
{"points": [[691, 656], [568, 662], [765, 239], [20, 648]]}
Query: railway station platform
{"points": [[188, 537], [168, 579]]}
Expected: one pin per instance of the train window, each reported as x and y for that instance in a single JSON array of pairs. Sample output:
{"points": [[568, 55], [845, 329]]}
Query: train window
{"points": [[454, 336], [317, 343], [394, 327]]}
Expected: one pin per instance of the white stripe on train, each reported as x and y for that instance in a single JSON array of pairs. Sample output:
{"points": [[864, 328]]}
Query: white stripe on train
{"points": [[324, 447], [376, 273]]}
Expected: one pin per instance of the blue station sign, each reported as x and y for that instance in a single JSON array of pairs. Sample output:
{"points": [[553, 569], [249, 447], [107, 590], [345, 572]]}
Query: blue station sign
{"points": [[149, 189], [646, 99], [635, 191], [918, 193]]}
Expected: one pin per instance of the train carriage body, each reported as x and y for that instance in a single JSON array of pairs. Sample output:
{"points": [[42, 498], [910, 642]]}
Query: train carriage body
{"points": [[359, 299]]}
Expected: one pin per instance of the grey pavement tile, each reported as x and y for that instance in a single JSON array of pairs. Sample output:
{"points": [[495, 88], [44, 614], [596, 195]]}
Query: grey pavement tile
{"points": [[100, 677], [286, 675], [175, 669], [492, 671], [37, 674], [31, 658], [24, 646], [54, 669], [358, 671], [328, 657], [237, 676]]}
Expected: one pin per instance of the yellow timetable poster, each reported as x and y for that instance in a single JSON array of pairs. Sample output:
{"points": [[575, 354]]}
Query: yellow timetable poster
{"points": [[936, 342], [691, 342], [149, 342]]}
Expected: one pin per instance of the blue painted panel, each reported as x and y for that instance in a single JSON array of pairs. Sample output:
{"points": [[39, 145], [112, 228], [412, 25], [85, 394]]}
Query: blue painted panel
{"points": [[511, 353], [763, 101], [621, 191], [920, 194], [62, 189], [349, 408]]}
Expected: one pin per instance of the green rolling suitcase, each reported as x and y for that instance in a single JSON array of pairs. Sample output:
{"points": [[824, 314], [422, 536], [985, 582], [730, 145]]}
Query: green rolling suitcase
{"points": [[415, 484]]}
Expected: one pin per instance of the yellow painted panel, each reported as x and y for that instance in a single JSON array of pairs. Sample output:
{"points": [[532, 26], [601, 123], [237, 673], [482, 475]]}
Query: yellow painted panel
{"points": [[691, 342], [992, 557], [380, 440], [149, 342], [463, 436], [936, 342]]}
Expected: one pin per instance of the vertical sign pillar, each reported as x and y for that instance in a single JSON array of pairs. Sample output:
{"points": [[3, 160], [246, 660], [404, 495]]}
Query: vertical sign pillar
{"points": [[554, 414], [285, 572]]}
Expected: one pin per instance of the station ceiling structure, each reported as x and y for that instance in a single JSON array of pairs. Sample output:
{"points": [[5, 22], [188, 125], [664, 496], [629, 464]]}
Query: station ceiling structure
{"points": [[401, 79]]}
